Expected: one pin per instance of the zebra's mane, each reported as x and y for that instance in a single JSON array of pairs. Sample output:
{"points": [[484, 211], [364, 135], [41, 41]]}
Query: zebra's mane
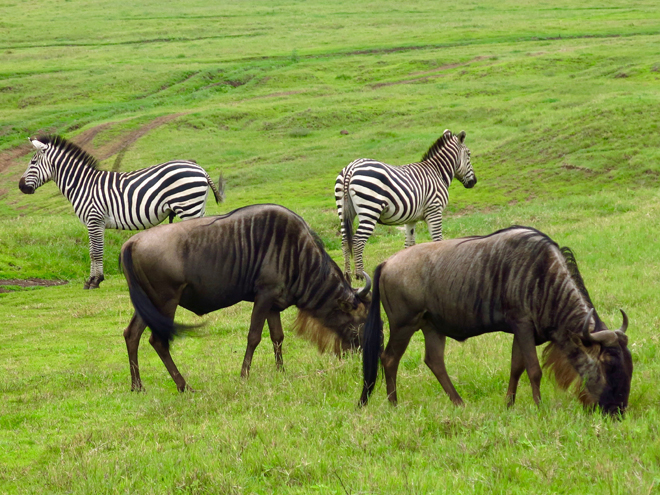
{"points": [[69, 147], [434, 148]]}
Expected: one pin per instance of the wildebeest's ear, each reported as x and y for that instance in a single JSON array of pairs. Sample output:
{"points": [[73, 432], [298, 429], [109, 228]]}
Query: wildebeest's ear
{"points": [[38, 144], [344, 305], [461, 136]]}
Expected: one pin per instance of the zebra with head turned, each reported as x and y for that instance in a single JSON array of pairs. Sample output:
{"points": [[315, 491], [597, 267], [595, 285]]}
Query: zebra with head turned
{"points": [[399, 195], [117, 200]]}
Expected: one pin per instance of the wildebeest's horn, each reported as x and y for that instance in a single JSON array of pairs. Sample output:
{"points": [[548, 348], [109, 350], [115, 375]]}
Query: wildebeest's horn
{"points": [[586, 336], [364, 291], [624, 325]]}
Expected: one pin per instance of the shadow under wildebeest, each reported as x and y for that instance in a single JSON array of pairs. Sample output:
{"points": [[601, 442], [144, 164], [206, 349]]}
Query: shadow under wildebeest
{"points": [[262, 253], [516, 280]]}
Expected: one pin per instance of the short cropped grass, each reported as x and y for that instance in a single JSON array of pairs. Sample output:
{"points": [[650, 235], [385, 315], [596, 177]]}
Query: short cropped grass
{"points": [[559, 104]]}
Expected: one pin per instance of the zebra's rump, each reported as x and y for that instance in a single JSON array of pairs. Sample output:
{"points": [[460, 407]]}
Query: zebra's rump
{"points": [[144, 198]]}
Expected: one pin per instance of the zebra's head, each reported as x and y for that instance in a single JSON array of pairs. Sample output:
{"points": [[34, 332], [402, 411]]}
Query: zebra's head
{"points": [[464, 170], [39, 171]]}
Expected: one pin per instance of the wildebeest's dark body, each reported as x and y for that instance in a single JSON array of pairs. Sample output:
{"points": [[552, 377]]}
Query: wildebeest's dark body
{"points": [[262, 253], [516, 280]]}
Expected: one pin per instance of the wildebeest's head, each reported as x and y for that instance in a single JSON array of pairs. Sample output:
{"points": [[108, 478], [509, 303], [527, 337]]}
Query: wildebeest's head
{"points": [[464, 170], [602, 360], [340, 325], [610, 350]]}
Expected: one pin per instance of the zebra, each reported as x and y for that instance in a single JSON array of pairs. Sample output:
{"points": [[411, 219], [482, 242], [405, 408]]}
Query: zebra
{"points": [[117, 200], [379, 193]]}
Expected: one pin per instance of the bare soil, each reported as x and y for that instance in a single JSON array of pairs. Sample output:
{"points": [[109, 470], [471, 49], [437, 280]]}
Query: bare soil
{"points": [[6, 284]]}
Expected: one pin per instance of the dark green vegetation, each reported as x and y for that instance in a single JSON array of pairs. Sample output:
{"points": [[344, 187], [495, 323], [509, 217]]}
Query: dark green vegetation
{"points": [[559, 101]]}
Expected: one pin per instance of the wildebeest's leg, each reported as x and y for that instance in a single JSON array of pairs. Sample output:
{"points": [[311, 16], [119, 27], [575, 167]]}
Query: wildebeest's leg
{"points": [[277, 336], [164, 353], [433, 218], [435, 360], [397, 345], [523, 332], [260, 311], [410, 234], [517, 368], [132, 336], [96, 230]]}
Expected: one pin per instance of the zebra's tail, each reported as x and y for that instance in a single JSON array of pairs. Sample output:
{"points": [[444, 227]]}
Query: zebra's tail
{"points": [[219, 191], [348, 214], [162, 327], [372, 340]]}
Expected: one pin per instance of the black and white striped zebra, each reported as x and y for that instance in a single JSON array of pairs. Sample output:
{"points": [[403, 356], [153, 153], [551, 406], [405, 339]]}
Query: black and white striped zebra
{"points": [[399, 195], [117, 200]]}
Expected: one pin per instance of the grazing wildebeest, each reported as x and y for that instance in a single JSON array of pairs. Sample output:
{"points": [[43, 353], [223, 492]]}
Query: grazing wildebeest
{"points": [[117, 200], [396, 195], [262, 253], [516, 280]]}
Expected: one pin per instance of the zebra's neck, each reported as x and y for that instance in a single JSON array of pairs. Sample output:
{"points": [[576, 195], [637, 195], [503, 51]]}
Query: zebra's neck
{"points": [[443, 165], [74, 177]]}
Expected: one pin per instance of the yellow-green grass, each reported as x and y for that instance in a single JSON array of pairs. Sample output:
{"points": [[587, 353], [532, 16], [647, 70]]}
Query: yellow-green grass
{"points": [[559, 103]]}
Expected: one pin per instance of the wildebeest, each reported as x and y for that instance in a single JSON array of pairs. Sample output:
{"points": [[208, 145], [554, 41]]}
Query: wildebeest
{"points": [[103, 199], [262, 253], [516, 280]]}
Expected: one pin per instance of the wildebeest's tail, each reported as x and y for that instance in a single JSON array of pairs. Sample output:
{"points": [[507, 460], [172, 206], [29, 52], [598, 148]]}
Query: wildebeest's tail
{"points": [[372, 340], [219, 191], [162, 327]]}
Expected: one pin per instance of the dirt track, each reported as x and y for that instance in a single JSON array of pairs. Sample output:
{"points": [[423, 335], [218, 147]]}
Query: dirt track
{"points": [[14, 157]]}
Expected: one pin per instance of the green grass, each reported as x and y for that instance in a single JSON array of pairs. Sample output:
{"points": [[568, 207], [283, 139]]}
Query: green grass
{"points": [[559, 103]]}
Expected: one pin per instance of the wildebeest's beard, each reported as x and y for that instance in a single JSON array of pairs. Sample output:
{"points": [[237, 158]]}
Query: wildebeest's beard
{"points": [[335, 330]]}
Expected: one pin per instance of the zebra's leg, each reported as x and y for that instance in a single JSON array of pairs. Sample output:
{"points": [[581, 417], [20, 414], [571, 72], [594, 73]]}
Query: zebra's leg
{"points": [[364, 231], [277, 336], [433, 219], [95, 230], [410, 234], [132, 336]]}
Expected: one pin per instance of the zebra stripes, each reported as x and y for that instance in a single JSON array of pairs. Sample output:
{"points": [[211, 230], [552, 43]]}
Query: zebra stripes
{"points": [[126, 201], [379, 193]]}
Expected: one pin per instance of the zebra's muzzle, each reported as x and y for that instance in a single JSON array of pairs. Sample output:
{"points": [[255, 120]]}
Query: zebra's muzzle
{"points": [[25, 189]]}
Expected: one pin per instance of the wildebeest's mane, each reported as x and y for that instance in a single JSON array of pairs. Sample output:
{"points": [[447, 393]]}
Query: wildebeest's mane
{"points": [[572, 266], [532, 232], [68, 146]]}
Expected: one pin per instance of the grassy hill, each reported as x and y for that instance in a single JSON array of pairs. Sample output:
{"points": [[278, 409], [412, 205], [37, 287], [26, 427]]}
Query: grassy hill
{"points": [[559, 101]]}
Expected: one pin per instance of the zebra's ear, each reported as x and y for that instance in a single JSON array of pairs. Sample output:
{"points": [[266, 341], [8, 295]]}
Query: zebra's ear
{"points": [[38, 144], [447, 135], [461, 136]]}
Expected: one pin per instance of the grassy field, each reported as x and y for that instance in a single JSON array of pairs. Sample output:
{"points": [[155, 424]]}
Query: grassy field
{"points": [[559, 101]]}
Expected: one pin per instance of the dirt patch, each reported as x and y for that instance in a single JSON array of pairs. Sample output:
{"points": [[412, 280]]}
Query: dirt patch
{"points": [[9, 157], [7, 284], [407, 81], [107, 150]]}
